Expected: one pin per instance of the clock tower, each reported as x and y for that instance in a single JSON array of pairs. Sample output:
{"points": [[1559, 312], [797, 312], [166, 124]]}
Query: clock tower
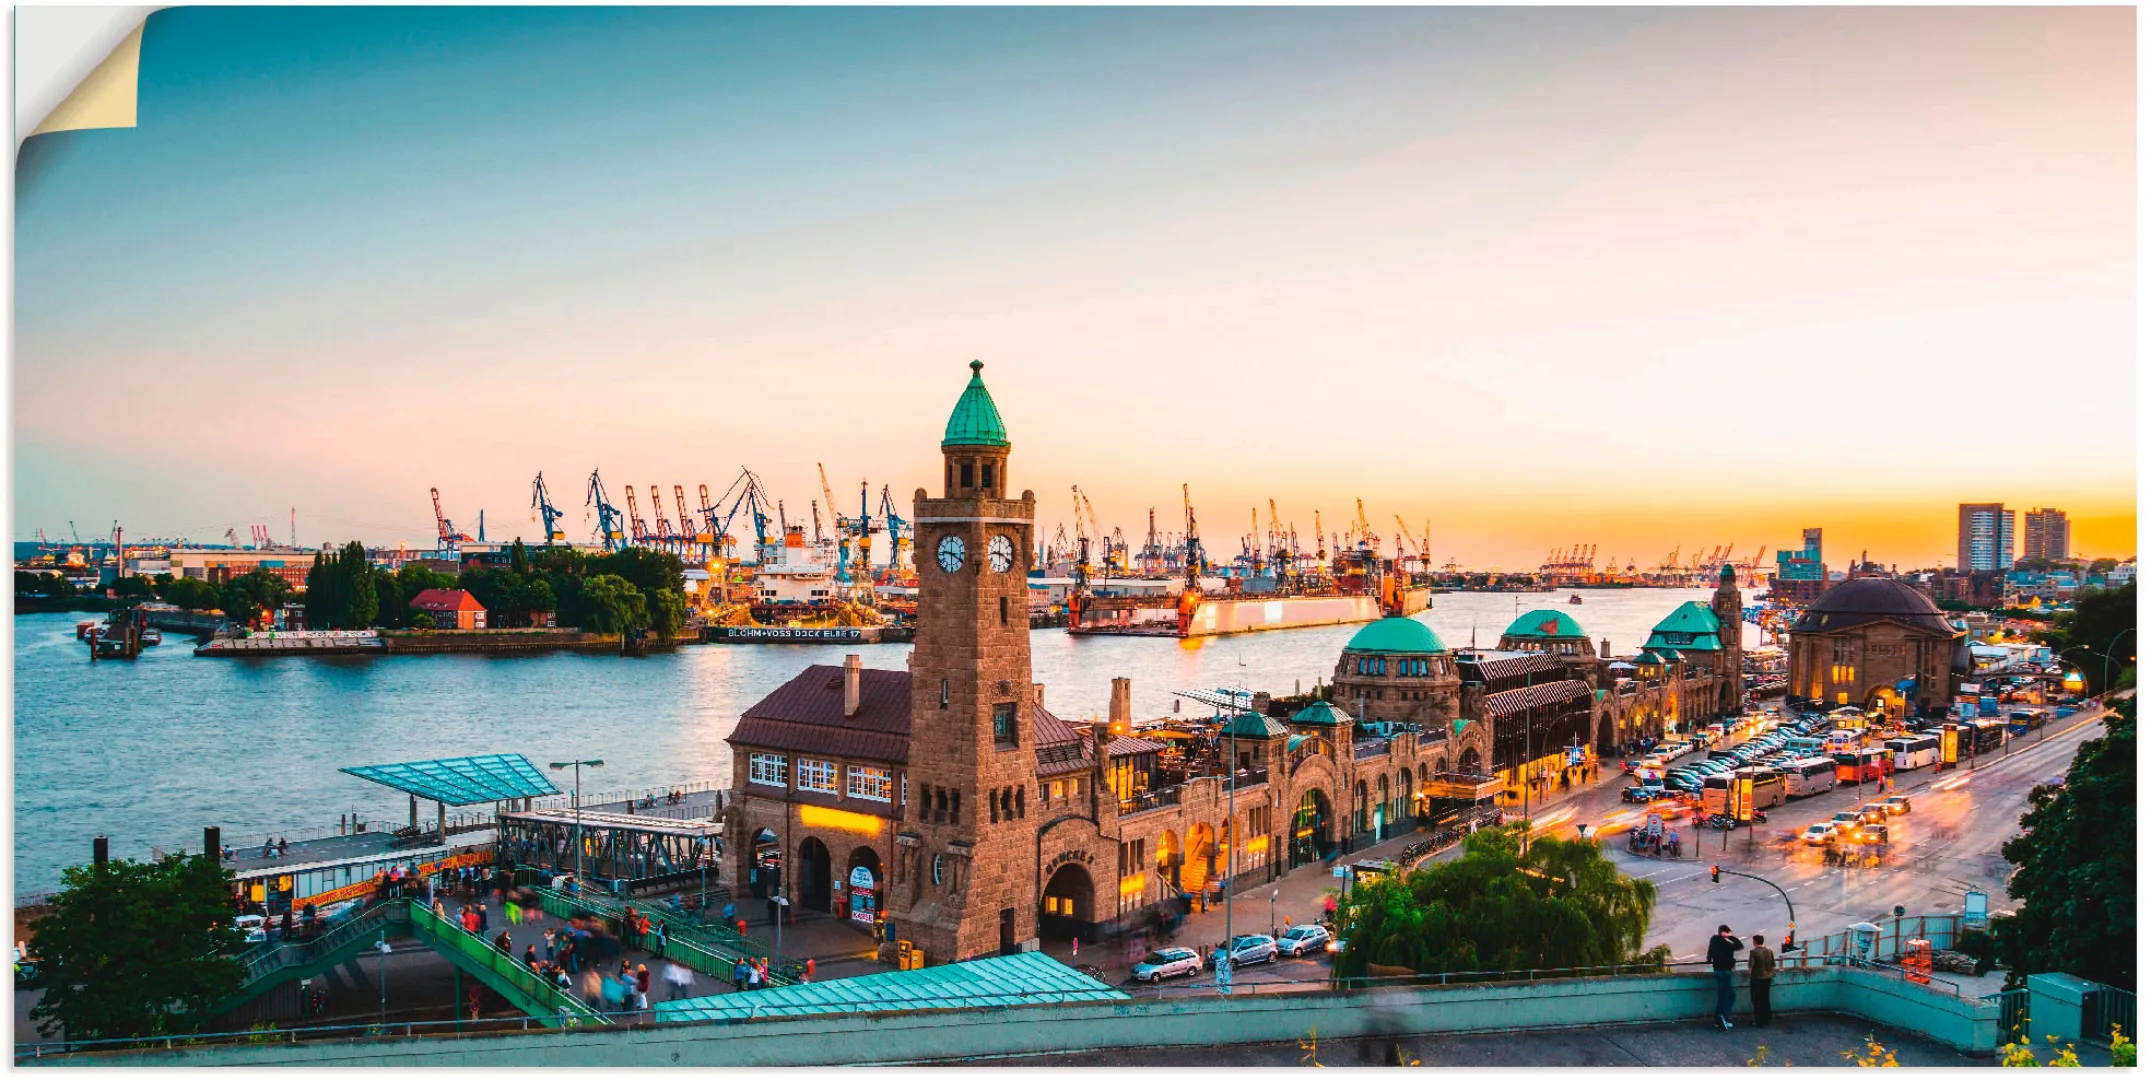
{"points": [[965, 847]]}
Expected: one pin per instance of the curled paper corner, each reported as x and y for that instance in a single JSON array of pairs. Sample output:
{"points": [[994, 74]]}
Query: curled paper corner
{"points": [[57, 48]]}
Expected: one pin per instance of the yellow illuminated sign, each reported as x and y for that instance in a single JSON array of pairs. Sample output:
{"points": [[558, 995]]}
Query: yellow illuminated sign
{"points": [[822, 817], [1258, 845], [1132, 885]]}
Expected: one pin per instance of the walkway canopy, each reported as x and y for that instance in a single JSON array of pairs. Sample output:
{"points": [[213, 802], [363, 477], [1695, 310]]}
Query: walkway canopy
{"points": [[462, 781], [643, 849], [996, 982]]}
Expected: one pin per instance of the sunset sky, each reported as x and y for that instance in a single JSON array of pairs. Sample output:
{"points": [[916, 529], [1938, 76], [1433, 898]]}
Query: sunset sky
{"points": [[1639, 278]]}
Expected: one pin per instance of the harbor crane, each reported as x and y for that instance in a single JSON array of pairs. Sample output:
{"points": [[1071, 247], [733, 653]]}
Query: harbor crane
{"points": [[664, 535], [541, 502], [1361, 532], [609, 529], [899, 530], [1194, 562], [637, 532], [1420, 545], [746, 492], [1082, 539], [449, 537], [691, 542]]}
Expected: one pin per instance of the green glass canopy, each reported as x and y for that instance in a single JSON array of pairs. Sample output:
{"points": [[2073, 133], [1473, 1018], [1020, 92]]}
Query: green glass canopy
{"points": [[995, 982], [462, 781]]}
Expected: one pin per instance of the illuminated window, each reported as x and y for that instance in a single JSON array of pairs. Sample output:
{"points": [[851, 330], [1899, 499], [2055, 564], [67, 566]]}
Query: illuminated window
{"points": [[867, 782], [766, 769], [817, 775]]}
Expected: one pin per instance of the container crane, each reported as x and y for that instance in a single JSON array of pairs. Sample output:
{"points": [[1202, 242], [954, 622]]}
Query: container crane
{"points": [[637, 532], [746, 492], [689, 542], [449, 537], [609, 520], [664, 534], [541, 503], [899, 530]]}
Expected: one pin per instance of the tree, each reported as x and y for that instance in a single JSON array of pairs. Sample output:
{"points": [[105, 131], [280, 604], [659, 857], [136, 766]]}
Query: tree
{"points": [[245, 597], [422, 621], [518, 558], [193, 594], [614, 605], [1497, 909], [668, 610], [2076, 868], [133, 587], [2104, 566], [136, 948], [2101, 626]]}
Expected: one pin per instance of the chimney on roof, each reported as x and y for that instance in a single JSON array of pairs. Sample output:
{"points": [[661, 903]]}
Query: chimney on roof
{"points": [[1605, 648], [851, 685], [1120, 716], [1038, 694]]}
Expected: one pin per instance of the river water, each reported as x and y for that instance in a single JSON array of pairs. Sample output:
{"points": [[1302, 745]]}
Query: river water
{"points": [[148, 753]]}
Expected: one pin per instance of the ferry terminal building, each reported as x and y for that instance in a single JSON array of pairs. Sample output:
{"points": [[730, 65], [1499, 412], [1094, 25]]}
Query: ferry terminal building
{"points": [[950, 801]]}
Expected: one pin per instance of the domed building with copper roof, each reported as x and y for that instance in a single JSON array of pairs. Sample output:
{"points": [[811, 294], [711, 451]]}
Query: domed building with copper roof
{"points": [[1397, 670], [1877, 643]]}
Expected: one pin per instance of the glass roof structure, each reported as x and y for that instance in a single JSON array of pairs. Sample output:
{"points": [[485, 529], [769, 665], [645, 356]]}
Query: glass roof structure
{"points": [[1022, 979], [462, 781]]}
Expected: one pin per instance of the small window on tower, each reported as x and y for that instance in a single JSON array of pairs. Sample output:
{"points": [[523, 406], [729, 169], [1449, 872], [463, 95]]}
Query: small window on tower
{"points": [[1004, 723], [963, 474], [985, 476], [1004, 611], [955, 807], [944, 693]]}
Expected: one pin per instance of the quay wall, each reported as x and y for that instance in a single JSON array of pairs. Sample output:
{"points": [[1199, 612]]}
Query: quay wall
{"points": [[406, 642], [959, 1035]]}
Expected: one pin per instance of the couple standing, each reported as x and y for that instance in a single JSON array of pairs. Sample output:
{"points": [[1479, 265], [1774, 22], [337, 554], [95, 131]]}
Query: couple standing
{"points": [[1762, 967]]}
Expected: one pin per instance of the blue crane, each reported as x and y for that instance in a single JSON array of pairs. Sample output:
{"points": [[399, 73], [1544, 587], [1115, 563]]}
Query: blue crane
{"points": [[897, 526], [542, 502], [746, 491], [609, 532]]}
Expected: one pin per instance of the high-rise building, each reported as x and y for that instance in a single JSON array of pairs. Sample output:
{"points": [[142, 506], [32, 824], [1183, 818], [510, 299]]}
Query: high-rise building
{"points": [[2046, 534], [1801, 576], [1986, 537]]}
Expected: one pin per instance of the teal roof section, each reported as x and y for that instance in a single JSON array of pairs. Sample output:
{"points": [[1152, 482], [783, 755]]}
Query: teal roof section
{"points": [[1647, 658], [462, 781], [1692, 627], [1544, 623], [1248, 725], [1322, 712], [976, 422], [995, 982], [1395, 635]]}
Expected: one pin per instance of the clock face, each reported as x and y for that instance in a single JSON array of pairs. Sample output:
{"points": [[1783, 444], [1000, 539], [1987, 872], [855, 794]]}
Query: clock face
{"points": [[1001, 553], [950, 553]]}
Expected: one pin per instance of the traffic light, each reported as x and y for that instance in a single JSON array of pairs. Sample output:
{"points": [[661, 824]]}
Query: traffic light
{"points": [[1713, 875]]}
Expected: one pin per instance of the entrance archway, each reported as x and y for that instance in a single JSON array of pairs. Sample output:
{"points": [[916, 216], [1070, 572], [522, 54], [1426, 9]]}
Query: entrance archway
{"points": [[1607, 746], [1065, 908], [1170, 863], [1311, 841], [813, 875], [864, 891], [1469, 763], [767, 870]]}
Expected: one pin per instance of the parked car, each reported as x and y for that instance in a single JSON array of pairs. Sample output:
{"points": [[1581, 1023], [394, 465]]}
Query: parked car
{"points": [[1167, 964], [1301, 940], [1899, 804], [1253, 949], [1643, 792]]}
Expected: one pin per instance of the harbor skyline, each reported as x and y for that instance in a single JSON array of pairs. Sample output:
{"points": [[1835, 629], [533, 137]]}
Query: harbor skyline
{"points": [[1639, 279]]}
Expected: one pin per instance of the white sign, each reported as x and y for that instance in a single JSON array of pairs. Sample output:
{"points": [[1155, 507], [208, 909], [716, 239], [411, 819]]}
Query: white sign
{"points": [[862, 878], [1340, 871]]}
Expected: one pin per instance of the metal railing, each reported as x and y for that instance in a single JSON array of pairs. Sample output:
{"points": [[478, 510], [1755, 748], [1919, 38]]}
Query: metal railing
{"points": [[276, 955], [2015, 1016], [565, 1007], [2109, 1007], [287, 1036], [1150, 800], [720, 946]]}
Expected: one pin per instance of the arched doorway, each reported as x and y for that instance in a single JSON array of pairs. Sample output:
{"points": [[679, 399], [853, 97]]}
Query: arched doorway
{"points": [[1201, 864], [1065, 907], [1360, 822], [1170, 861], [1469, 763], [1311, 840], [1384, 813], [766, 873], [813, 875], [1607, 746], [863, 891]]}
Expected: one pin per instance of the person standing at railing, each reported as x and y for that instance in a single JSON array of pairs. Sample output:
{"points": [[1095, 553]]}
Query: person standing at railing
{"points": [[1762, 967], [552, 945], [1721, 952]]}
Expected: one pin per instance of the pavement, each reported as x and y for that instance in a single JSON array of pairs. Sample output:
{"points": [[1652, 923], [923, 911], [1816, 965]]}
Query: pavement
{"points": [[1814, 1039]]}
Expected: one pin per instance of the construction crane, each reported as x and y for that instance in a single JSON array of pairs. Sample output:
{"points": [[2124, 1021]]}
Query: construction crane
{"points": [[899, 529], [541, 503], [1194, 562], [1082, 539], [1419, 546], [1361, 531], [449, 537], [688, 540], [609, 520]]}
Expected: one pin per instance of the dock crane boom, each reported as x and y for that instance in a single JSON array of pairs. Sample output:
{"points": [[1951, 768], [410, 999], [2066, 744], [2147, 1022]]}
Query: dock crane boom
{"points": [[687, 522], [541, 503], [440, 521], [449, 537], [899, 528], [1195, 561], [636, 530], [664, 533], [609, 520]]}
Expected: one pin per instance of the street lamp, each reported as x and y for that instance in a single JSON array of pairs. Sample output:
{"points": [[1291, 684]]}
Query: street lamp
{"points": [[578, 800], [1273, 912]]}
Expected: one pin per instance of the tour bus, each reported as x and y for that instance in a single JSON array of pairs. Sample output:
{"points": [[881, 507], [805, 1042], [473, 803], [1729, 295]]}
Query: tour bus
{"points": [[1914, 751], [1810, 776], [1841, 741], [1986, 735], [2023, 721], [1860, 766], [1766, 788]]}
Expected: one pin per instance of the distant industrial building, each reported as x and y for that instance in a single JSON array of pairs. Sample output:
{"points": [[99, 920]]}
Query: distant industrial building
{"points": [[219, 565], [2046, 534], [1986, 537], [1801, 576]]}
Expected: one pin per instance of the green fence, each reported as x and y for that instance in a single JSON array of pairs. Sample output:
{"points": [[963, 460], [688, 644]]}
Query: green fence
{"points": [[451, 939]]}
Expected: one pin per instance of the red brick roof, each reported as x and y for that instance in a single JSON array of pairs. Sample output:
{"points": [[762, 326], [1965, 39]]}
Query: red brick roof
{"points": [[807, 715], [446, 600]]}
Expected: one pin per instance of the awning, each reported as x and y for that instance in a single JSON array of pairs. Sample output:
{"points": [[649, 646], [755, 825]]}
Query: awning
{"points": [[463, 781], [1470, 787], [1023, 979]]}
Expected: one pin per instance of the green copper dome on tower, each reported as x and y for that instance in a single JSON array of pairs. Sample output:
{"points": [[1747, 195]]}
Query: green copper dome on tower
{"points": [[975, 422]]}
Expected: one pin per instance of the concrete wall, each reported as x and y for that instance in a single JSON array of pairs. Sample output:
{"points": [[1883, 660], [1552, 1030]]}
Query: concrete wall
{"points": [[1192, 1020]]}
